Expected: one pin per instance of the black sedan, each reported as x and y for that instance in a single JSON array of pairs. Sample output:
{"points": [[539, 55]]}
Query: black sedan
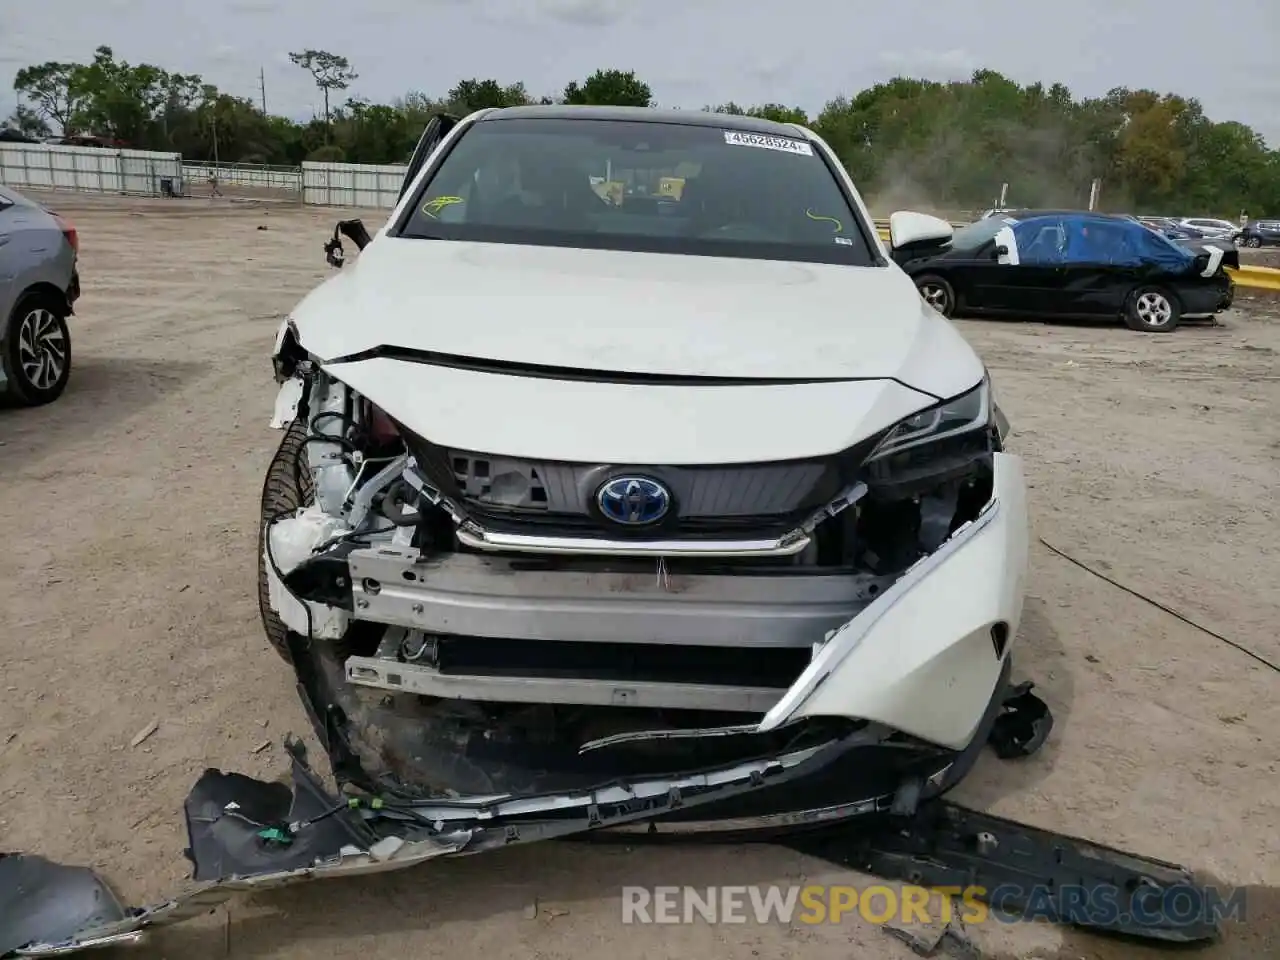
{"points": [[1072, 265]]}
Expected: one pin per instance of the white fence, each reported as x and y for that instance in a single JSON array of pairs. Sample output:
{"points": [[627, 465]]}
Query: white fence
{"points": [[141, 173], [371, 186], [88, 169]]}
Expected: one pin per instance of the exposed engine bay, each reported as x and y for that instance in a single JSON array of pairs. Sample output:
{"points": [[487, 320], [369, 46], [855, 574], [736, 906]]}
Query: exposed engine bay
{"points": [[445, 607]]}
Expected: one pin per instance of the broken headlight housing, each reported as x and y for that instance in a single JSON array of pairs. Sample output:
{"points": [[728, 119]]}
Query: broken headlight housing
{"points": [[971, 411], [948, 441]]}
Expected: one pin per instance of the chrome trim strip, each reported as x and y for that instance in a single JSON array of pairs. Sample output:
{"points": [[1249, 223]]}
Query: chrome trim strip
{"points": [[485, 809], [491, 541], [127, 938], [787, 545], [803, 817], [872, 733]]}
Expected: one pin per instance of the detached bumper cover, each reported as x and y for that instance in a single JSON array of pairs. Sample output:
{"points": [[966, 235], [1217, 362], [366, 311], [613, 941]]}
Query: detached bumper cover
{"points": [[247, 835]]}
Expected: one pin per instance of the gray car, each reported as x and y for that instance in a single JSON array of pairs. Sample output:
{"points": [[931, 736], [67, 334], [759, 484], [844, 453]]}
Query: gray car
{"points": [[39, 283]]}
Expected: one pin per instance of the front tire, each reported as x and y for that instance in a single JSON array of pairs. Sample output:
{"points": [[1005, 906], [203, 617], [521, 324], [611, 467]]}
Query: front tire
{"points": [[936, 292], [1254, 242], [37, 351], [285, 489], [1152, 310]]}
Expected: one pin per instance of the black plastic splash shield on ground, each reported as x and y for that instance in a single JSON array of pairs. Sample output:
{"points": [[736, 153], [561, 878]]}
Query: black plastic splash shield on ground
{"points": [[1022, 871], [40, 900]]}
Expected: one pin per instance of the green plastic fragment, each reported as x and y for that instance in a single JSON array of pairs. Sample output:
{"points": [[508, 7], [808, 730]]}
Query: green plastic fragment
{"points": [[275, 834]]}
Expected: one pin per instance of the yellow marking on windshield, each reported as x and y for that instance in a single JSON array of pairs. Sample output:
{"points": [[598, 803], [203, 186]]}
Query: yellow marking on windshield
{"points": [[434, 206], [813, 216]]}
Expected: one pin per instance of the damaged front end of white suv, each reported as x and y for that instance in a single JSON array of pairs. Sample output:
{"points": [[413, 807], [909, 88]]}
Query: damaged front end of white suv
{"points": [[466, 623]]}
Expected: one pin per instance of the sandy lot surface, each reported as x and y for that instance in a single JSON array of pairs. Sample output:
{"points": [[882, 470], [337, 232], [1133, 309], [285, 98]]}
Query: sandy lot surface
{"points": [[130, 507], [1262, 257]]}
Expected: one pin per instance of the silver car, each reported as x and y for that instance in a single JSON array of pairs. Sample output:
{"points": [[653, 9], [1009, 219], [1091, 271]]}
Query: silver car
{"points": [[39, 284]]}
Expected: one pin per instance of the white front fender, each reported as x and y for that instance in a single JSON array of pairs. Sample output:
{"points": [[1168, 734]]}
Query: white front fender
{"points": [[924, 658]]}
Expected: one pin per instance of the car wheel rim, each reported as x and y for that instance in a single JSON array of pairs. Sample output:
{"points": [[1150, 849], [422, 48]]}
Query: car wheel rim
{"points": [[935, 296], [1154, 310], [42, 349]]}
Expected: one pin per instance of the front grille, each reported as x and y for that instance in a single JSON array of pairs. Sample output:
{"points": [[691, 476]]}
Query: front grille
{"points": [[716, 501], [723, 492]]}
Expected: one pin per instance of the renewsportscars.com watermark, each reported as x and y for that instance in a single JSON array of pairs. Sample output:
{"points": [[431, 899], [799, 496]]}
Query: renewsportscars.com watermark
{"points": [[877, 903]]}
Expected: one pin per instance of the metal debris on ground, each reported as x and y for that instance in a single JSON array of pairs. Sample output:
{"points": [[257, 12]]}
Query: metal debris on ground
{"points": [[945, 940]]}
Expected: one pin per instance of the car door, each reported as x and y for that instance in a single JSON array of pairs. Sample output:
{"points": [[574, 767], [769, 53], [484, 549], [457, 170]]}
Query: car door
{"points": [[8, 261], [1028, 274], [436, 130], [1103, 263], [978, 278], [969, 263]]}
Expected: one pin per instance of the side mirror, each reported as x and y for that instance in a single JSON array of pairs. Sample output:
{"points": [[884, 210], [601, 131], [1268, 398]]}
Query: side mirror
{"points": [[907, 228], [353, 230]]}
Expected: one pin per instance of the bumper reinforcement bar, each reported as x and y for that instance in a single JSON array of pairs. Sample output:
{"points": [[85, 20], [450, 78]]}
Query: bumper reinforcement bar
{"points": [[427, 681]]}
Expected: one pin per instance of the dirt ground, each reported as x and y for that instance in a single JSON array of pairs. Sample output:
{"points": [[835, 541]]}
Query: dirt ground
{"points": [[129, 511], [1263, 257]]}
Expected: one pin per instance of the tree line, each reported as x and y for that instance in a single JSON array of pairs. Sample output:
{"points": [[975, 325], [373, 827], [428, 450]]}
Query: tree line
{"points": [[950, 145]]}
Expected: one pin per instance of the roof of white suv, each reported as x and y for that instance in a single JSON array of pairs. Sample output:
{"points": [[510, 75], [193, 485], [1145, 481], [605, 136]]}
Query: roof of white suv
{"points": [[694, 118]]}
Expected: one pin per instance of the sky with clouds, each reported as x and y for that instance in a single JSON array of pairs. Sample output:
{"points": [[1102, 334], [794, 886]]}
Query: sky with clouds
{"points": [[691, 52]]}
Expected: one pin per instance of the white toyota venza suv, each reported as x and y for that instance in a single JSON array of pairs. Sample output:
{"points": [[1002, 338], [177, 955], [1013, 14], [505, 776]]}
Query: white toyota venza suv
{"points": [[622, 450]]}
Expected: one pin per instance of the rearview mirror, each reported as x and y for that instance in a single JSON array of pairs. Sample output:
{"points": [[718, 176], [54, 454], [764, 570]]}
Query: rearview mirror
{"points": [[907, 228]]}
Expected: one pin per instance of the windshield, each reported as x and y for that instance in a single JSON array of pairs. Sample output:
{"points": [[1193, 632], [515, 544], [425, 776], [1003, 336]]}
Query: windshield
{"points": [[640, 185], [976, 234]]}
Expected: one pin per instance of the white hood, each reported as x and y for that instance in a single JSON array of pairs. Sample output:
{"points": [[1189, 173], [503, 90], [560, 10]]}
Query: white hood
{"points": [[636, 313]]}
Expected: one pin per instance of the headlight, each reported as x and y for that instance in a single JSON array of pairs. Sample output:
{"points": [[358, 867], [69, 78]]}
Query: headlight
{"points": [[970, 411], [287, 353]]}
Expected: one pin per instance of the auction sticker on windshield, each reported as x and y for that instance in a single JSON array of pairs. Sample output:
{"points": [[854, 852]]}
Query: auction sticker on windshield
{"points": [[738, 138]]}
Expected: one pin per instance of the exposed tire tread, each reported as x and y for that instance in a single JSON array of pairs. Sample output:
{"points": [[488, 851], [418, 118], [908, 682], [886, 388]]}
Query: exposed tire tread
{"points": [[285, 489]]}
